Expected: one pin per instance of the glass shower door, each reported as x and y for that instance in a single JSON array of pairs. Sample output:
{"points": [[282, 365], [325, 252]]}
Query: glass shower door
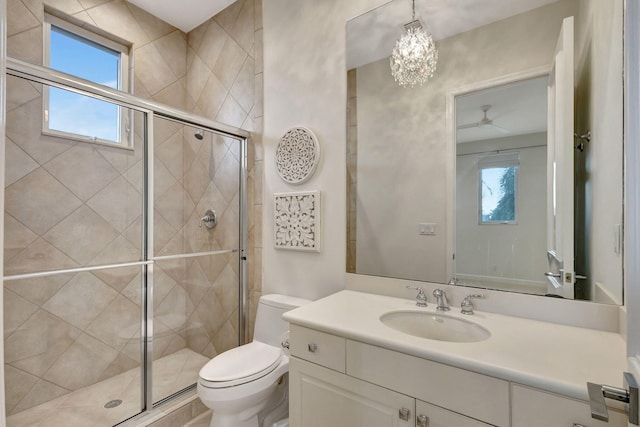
{"points": [[196, 271], [74, 265]]}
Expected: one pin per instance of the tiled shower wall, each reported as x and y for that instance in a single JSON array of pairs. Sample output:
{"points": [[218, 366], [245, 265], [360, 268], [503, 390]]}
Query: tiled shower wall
{"points": [[64, 332]]}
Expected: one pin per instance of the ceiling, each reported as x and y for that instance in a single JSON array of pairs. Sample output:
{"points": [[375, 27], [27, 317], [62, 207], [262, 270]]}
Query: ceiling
{"points": [[184, 14], [515, 109], [372, 36]]}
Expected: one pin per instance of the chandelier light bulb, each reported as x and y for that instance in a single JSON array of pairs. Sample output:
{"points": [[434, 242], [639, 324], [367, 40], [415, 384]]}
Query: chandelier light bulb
{"points": [[414, 57]]}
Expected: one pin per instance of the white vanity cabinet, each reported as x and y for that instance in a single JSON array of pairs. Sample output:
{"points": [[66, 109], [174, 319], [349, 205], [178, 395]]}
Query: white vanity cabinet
{"points": [[535, 408], [321, 397], [339, 382], [378, 387]]}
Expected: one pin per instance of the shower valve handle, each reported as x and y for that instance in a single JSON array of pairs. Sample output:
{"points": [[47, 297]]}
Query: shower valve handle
{"points": [[210, 219]]}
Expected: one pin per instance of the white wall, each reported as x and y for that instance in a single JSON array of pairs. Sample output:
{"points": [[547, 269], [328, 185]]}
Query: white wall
{"points": [[305, 84], [499, 251]]}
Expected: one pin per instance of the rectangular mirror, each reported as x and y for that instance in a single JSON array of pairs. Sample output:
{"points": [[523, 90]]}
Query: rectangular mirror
{"points": [[502, 171]]}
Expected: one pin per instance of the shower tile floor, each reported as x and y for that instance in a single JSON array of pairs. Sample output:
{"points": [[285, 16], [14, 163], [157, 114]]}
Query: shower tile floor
{"points": [[85, 407]]}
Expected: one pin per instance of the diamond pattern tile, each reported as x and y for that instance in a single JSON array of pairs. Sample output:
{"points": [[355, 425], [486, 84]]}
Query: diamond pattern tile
{"points": [[83, 170], [82, 235], [70, 203], [48, 203]]}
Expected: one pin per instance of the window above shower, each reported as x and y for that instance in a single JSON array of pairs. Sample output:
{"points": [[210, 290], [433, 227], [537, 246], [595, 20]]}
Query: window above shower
{"points": [[93, 56]]}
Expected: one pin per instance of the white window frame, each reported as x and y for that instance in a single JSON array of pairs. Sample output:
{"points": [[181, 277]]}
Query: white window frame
{"points": [[125, 122], [500, 160]]}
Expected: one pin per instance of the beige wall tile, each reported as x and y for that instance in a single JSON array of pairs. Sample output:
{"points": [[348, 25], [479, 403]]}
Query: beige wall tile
{"points": [[258, 14], [16, 311], [88, 4], [226, 338], [21, 18], [17, 385], [197, 75], [16, 237], [41, 392], [170, 154], [38, 290], [20, 165], [47, 204], [152, 26], [228, 17], [67, 6], [118, 203], [20, 91], [116, 18], [243, 89], [82, 364], [232, 112], [39, 342], [243, 29], [38, 256], [152, 68], [173, 48], [24, 127], [120, 250], [82, 170], [174, 95], [26, 46], [212, 97], [82, 235], [117, 324], [212, 44], [229, 62], [81, 300], [175, 206]]}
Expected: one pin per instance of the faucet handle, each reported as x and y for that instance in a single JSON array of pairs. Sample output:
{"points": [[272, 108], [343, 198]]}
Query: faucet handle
{"points": [[421, 298], [466, 307]]}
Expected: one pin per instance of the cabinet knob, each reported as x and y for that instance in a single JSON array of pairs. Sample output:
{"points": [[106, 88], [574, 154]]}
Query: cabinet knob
{"points": [[312, 347], [422, 421], [404, 414]]}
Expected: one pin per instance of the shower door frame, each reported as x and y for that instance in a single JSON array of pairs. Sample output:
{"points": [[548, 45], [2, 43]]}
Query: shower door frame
{"points": [[150, 109]]}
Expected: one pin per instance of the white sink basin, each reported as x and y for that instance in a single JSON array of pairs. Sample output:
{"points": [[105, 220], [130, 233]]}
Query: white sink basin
{"points": [[435, 326]]}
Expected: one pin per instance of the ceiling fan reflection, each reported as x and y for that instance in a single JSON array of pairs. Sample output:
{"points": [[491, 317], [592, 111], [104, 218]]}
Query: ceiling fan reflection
{"points": [[484, 123]]}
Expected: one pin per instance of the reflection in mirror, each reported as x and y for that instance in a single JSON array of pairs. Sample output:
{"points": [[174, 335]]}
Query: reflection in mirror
{"points": [[501, 163], [461, 178]]}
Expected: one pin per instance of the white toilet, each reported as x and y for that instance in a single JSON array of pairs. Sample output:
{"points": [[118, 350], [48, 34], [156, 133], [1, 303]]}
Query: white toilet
{"points": [[247, 386]]}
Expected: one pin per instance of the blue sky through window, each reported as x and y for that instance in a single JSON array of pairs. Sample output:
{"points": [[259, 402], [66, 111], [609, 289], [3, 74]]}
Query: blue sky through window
{"points": [[78, 114]]}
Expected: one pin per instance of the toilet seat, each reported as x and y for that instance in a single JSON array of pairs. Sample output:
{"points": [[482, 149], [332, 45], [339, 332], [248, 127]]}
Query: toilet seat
{"points": [[240, 365]]}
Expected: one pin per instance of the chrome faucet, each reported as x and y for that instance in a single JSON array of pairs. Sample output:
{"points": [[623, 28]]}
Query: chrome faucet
{"points": [[453, 281], [421, 298], [467, 305], [441, 299]]}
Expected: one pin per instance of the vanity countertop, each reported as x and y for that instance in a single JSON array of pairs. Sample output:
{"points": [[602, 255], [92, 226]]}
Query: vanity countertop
{"points": [[548, 356]]}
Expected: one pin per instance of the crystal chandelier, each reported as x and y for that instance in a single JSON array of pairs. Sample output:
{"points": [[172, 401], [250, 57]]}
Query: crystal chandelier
{"points": [[414, 58]]}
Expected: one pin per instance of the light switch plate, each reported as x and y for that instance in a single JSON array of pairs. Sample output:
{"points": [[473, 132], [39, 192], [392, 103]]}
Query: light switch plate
{"points": [[427, 229]]}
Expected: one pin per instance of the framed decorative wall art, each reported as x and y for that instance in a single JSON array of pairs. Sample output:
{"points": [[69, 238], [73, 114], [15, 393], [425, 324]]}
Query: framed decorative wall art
{"points": [[297, 155], [297, 221]]}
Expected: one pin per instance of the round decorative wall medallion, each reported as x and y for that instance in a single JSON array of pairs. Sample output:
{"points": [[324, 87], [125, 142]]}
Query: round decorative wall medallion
{"points": [[297, 155]]}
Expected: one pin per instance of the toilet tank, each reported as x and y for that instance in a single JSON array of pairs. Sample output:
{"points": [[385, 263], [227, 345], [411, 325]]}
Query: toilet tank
{"points": [[269, 324]]}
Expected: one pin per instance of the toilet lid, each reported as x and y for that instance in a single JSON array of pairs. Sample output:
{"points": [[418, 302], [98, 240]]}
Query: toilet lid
{"points": [[250, 360]]}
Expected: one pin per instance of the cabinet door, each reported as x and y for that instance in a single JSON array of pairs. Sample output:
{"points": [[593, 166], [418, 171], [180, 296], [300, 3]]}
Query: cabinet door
{"points": [[320, 397], [436, 416], [535, 408]]}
